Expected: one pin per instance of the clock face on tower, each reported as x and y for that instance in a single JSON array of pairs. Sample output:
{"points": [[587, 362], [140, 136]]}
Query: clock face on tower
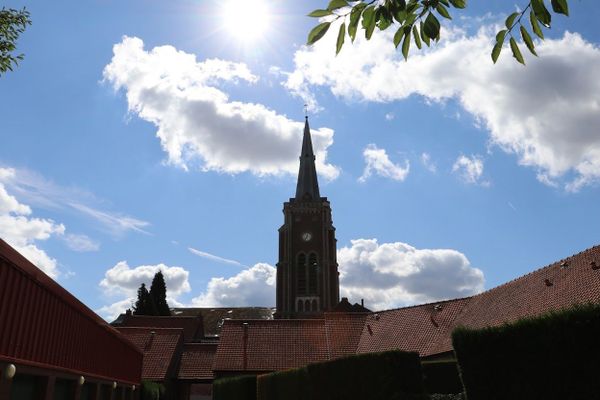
{"points": [[306, 236]]}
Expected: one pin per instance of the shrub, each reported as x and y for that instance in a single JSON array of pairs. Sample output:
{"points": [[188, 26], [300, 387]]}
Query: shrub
{"points": [[554, 356], [151, 391], [291, 384], [441, 377], [235, 388]]}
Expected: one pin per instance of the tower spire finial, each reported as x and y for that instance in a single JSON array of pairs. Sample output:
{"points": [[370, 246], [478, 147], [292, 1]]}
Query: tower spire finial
{"points": [[305, 111], [307, 187]]}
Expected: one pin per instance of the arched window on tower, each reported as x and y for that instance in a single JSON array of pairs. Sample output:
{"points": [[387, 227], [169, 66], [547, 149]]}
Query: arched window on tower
{"points": [[301, 274], [314, 305], [312, 273], [300, 306], [307, 305]]}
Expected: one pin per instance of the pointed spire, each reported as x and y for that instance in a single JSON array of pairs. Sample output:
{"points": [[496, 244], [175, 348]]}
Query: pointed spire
{"points": [[308, 186]]}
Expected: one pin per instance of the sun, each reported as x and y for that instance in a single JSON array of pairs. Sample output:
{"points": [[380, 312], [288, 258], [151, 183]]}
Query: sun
{"points": [[245, 20]]}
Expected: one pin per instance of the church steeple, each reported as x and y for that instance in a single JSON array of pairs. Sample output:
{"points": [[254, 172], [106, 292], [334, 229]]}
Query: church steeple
{"points": [[307, 187]]}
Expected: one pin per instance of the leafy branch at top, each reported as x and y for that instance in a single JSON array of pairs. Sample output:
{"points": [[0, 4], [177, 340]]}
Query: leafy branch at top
{"points": [[12, 24], [418, 22]]}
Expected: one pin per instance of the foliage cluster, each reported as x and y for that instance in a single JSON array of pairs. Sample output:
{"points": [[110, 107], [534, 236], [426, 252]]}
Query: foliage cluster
{"points": [[238, 388], [151, 391], [554, 356], [441, 377], [12, 24], [418, 21], [392, 375], [153, 302]]}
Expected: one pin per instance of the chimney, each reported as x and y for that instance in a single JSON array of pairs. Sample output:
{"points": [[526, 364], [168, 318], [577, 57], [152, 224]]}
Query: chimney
{"points": [[362, 302], [128, 312]]}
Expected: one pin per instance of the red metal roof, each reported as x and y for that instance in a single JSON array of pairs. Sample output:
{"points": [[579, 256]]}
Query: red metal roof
{"points": [[45, 326], [161, 347], [192, 326], [197, 361]]}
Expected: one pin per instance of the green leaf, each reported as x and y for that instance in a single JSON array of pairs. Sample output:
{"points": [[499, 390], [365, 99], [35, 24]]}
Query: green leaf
{"points": [[354, 18], [385, 18], [398, 36], [368, 21], [516, 52], [317, 32], [368, 15], [541, 12], [443, 11], [458, 3], [445, 2], [335, 4], [406, 44], [496, 51], [415, 32], [535, 25], [340, 38], [527, 39], [432, 26], [423, 33], [320, 13], [560, 7], [500, 36], [511, 19]]}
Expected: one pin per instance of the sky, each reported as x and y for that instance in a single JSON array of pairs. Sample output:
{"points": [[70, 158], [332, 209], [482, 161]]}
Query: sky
{"points": [[164, 135]]}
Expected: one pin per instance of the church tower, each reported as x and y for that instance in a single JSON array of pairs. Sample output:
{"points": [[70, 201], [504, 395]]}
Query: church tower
{"points": [[307, 271]]}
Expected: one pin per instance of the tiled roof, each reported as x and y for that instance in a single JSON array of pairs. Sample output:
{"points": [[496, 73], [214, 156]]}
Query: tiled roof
{"points": [[161, 347], [428, 330], [270, 345], [197, 361], [191, 325], [213, 317], [425, 328], [558, 285]]}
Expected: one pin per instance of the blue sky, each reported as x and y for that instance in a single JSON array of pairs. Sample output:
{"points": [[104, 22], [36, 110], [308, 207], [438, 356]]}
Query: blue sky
{"points": [[147, 134]]}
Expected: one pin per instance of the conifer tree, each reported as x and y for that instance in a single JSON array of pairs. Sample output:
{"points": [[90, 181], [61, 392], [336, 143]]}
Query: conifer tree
{"points": [[158, 295], [142, 306]]}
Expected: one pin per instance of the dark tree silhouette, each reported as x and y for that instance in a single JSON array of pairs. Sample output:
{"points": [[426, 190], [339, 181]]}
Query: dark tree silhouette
{"points": [[143, 305], [158, 295]]}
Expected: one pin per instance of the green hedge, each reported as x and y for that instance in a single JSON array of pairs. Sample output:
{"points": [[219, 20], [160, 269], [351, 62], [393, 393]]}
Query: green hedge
{"points": [[554, 356], [152, 391], [236, 388], [393, 375], [292, 384], [441, 377]]}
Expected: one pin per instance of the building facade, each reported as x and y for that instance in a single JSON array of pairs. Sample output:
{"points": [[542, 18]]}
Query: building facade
{"points": [[307, 270]]}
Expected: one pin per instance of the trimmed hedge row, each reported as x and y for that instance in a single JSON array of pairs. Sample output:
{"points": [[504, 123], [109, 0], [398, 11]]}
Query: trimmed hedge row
{"points": [[554, 356], [152, 390], [238, 388], [441, 377], [392, 375]]}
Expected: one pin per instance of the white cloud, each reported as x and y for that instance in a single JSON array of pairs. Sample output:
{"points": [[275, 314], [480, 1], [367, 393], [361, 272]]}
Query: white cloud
{"points": [[254, 286], [427, 163], [470, 169], [546, 113], [213, 257], [389, 116], [396, 274], [81, 243], [39, 191], [122, 280], [196, 120], [22, 231], [378, 162]]}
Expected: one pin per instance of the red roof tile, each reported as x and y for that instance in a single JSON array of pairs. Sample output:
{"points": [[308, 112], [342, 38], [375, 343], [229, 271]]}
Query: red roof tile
{"points": [[191, 325], [197, 361], [161, 347], [570, 281], [420, 328]]}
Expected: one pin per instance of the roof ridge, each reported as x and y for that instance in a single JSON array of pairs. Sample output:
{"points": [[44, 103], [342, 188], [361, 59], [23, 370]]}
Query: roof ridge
{"points": [[423, 304], [538, 269]]}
